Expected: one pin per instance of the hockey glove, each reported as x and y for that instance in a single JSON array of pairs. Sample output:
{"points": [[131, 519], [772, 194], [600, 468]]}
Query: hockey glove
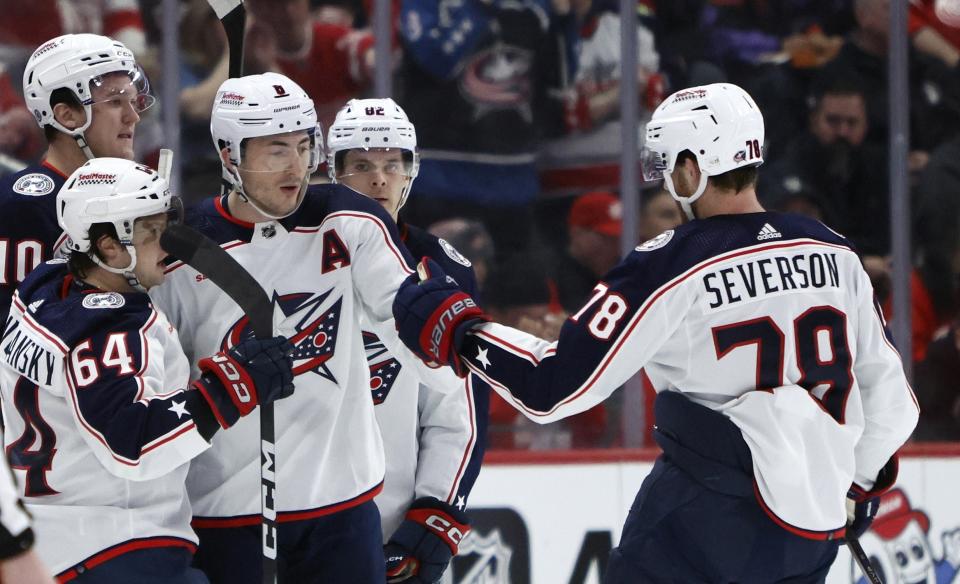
{"points": [[255, 371], [422, 547], [862, 506], [433, 315]]}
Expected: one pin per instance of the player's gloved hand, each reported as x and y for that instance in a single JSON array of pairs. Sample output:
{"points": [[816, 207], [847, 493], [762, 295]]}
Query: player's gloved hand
{"points": [[254, 372], [862, 506], [422, 547], [433, 315]]}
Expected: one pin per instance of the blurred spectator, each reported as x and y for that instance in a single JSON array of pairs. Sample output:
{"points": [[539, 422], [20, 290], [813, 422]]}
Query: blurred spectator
{"points": [[934, 27], [938, 389], [934, 87], [594, 227], [519, 295], [937, 228], [332, 62], [27, 24], [658, 212], [20, 137], [470, 239], [832, 173], [585, 154], [204, 63], [476, 80]]}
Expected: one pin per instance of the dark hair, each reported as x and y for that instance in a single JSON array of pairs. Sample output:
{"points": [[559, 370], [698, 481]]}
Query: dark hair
{"points": [[836, 85], [80, 263], [733, 180], [61, 95]]}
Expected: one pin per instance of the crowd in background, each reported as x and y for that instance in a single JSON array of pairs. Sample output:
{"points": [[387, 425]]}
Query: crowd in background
{"points": [[516, 106]]}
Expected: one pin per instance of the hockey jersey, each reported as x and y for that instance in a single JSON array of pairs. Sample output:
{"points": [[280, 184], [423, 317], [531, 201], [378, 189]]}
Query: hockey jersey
{"points": [[29, 233], [433, 438], [96, 427], [337, 258], [766, 317]]}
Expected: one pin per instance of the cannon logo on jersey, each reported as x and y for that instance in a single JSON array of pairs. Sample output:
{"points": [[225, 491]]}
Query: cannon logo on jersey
{"points": [[312, 332], [34, 185], [384, 369], [657, 242], [452, 252], [104, 300]]}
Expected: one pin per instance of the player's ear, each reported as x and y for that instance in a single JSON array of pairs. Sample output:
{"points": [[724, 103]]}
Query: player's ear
{"points": [[108, 248], [69, 115]]}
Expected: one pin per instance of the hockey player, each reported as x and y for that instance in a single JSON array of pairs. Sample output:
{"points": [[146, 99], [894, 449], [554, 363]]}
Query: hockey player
{"points": [[433, 440], [781, 394], [87, 93], [101, 422], [327, 256]]}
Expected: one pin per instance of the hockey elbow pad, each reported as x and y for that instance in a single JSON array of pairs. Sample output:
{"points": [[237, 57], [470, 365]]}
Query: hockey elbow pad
{"points": [[255, 371], [433, 315], [422, 547]]}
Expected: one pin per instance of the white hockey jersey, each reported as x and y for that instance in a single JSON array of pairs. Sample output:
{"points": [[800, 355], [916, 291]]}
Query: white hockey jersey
{"points": [[433, 423], [766, 317], [96, 426], [337, 258]]}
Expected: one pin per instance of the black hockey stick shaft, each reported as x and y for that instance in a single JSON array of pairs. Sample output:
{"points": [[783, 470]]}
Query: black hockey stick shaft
{"points": [[860, 556], [208, 258], [233, 17]]}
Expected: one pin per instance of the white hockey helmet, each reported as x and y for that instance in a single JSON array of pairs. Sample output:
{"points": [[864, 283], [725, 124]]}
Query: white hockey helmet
{"points": [[368, 124], [78, 63], [115, 191], [719, 124], [262, 105]]}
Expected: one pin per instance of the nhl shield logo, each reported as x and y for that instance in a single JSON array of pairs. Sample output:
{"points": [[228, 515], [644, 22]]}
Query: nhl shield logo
{"points": [[34, 185]]}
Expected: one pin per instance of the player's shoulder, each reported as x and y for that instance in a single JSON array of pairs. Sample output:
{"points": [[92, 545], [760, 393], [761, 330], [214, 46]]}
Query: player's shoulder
{"points": [[72, 313], [30, 185], [423, 243], [211, 218], [676, 250], [325, 200]]}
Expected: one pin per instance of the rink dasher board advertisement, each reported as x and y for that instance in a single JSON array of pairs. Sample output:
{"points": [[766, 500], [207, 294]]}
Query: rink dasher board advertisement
{"points": [[554, 523]]}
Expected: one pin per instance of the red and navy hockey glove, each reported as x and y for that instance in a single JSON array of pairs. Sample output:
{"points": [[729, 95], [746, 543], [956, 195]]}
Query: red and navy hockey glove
{"points": [[422, 547], [433, 315], [862, 506], [254, 372]]}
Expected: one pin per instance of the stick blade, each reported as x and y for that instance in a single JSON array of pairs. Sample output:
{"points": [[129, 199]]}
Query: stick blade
{"points": [[224, 7]]}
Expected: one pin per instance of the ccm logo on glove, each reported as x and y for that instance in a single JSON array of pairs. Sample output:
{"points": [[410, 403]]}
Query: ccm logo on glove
{"points": [[233, 376], [444, 527]]}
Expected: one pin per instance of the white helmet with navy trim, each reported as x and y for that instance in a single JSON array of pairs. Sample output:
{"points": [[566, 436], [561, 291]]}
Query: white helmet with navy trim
{"points": [[262, 105], [719, 124], [373, 123], [115, 191], [77, 63]]}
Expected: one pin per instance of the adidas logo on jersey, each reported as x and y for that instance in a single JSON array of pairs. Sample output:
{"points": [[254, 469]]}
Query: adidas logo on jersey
{"points": [[768, 232], [35, 305]]}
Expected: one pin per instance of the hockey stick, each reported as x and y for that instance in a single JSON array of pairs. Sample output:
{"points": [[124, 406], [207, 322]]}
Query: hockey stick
{"points": [[853, 544], [233, 17], [208, 258]]}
